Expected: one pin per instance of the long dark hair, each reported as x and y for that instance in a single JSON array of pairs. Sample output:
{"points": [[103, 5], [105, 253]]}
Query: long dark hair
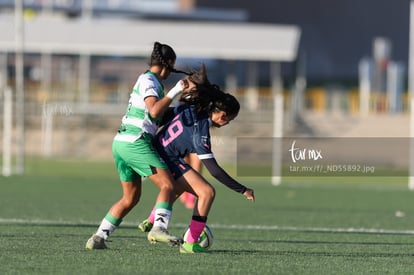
{"points": [[228, 104], [162, 55], [208, 97]]}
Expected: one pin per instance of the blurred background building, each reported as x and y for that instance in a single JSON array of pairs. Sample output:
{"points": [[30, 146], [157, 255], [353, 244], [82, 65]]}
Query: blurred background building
{"points": [[349, 75]]}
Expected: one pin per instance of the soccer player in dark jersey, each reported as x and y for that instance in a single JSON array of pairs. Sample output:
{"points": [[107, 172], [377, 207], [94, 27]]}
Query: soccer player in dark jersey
{"points": [[189, 132]]}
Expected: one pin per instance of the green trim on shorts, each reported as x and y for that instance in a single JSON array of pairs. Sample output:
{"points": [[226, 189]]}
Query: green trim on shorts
{"points": [[112, 219], [164, 205]]}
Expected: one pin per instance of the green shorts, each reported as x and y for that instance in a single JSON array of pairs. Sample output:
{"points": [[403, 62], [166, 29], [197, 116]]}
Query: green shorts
{"points": [[137, 159]]}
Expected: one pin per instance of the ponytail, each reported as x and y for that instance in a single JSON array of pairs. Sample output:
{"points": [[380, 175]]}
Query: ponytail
{"points": [[163, 55], [208, 97]]}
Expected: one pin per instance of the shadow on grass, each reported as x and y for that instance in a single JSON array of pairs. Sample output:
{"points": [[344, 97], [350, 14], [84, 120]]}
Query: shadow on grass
{"points": [[325, 242], [313, 253]]}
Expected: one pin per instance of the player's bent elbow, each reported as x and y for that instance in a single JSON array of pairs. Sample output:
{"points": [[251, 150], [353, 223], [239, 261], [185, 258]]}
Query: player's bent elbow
{"points": [[155, 114]]}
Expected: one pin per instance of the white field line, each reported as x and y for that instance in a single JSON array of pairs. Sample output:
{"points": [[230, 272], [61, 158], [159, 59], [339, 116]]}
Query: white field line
{"points": [[223, 226]]}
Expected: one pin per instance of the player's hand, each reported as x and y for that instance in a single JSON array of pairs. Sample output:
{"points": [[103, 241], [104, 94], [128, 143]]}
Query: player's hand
{"points": [[249, 194]]}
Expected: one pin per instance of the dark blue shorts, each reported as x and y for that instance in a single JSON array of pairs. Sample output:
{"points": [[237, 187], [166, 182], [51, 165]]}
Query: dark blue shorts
{"points": [[177, 167]]}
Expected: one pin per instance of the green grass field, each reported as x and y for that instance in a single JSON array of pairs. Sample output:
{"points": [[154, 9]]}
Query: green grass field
{"points": [[305, 226]]}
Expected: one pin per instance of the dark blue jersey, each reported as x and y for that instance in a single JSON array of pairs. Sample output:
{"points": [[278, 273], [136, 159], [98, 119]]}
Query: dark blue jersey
{"points": [[189, 132], [186, 133]]}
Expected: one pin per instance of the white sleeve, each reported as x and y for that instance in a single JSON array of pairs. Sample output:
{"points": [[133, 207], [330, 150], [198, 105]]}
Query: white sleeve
{"points": [[147, 87]]}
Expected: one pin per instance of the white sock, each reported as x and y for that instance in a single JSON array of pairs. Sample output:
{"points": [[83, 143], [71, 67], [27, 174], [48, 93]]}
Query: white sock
{"points": [[162, 217], [105, 229]]}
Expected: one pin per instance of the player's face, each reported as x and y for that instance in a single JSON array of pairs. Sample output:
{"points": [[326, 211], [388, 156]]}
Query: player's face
{"points": [[221, 119]]}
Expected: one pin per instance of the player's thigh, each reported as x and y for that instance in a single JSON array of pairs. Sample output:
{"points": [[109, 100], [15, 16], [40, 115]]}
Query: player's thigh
{"points": [[162, 178], [194, 183], [193, 160]]}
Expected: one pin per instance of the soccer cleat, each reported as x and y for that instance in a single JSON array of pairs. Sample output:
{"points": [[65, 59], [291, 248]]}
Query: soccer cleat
{"points": [[95, 242], [190, 248], [145, 226], [158, 234]]}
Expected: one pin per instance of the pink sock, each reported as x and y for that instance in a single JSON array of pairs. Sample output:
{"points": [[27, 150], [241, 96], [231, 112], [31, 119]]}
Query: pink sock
{"points": [[183, 197], [151, 217], [196, 228]]}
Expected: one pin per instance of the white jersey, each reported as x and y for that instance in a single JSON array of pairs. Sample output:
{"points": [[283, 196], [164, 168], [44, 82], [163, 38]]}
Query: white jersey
{"points": [[137, 119]]}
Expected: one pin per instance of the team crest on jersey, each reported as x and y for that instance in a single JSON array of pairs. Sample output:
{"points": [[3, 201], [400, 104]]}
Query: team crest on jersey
{"points": [[204, 141]]}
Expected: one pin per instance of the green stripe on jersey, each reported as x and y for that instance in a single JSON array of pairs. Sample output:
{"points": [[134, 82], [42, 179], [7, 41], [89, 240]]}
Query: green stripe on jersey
{"points": [[137, 118], [136, 113]]}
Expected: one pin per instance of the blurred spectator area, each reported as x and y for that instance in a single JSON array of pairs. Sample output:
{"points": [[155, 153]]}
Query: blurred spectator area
{"points": [[111, 79], [64, 119], [58, 125]]}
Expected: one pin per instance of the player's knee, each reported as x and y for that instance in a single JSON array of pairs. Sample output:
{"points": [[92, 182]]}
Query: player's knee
{"points": [[208, 193], [130, 201], [164, 183], [167, 186], [212, 192]]}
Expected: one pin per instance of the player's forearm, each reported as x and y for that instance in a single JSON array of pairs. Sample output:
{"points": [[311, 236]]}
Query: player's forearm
{"points": [[158, 109], [218, 173]]}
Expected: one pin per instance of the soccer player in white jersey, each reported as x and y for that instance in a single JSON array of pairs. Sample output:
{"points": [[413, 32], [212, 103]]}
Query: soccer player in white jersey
{"points": [[134, 154]]}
